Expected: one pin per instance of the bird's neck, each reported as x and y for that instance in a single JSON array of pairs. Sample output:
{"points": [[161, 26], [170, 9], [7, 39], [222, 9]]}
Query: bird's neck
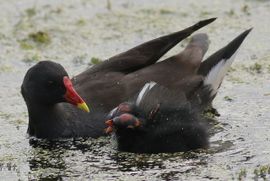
{"points": [[64, 120], [45, 121]]}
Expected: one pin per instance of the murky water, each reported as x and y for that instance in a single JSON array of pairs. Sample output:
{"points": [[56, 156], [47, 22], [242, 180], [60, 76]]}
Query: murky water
{"points": [[79, 30]]}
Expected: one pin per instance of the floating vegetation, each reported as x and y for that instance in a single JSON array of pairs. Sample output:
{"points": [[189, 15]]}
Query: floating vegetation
{"points": [[57, 10], [80, 59], [231, 69], [166, 11], [227, 98], [5, 68], [242, 174], [81, 22], [6, 158], [31, 58], [95, 61], [210, 113], [109, 5], [35, 39], [30, 12], [25, 45], [246, 10], [236, 79], [205, 13], [147, 11], [261, 172], [231, 13], [5, 115], [257, 68], [40, 37]]}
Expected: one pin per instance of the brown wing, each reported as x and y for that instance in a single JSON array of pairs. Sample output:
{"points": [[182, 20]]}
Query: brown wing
{"points": [[177, 72], [147, 53], [120, 77]]}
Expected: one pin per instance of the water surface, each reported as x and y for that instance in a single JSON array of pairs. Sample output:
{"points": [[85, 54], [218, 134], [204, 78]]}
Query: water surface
{"points": [[76, 31]]}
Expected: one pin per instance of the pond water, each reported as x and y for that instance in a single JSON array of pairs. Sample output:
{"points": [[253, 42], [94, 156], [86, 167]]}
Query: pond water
{"points": [[77, 32]]}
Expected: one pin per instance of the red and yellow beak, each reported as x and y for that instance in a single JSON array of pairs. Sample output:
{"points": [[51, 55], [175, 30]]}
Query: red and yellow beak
{"points": [[72, 96]]}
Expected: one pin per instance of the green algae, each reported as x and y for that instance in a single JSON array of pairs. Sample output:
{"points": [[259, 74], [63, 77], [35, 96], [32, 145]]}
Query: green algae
{"points": [[5, 68], [246, 9], [242, 174], [81, 22], [40, 37], [256, 67], [95, 61], [109, 5], [79, 59], [35, 40], [166, 11], [227, 98], [25, 45], [30, 12], [261, 171], [231, 13], [31, 58]]}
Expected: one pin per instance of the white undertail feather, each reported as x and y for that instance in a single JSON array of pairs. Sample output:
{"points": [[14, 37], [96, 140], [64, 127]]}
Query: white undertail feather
{"points": [[146, 88], [217, 73]]}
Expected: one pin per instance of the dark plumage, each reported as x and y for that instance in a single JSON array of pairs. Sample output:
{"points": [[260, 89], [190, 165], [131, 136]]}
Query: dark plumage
{"points": [[50, 116], [102, 87], [170, 119], [162, 122], [47, 90]]}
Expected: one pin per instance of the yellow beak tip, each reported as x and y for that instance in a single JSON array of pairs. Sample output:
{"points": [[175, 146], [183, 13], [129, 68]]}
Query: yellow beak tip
{"points": [[83, 106]]}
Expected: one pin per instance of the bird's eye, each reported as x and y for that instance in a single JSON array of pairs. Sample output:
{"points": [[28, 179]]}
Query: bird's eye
{"points": [[50, 83]]}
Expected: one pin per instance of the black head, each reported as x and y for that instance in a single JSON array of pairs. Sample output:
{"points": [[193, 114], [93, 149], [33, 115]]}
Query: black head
{"points": [[123, 121], [43, 83], [47, 83]]}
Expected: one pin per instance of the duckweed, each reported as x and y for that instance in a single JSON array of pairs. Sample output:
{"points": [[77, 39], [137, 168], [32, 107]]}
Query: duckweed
{"points": [[31, 58], [25, 45], [227, 98], [242, 174], [257, 68], [81, 22], [95, 61], [30, 12], [40, 37], [109, 5]]}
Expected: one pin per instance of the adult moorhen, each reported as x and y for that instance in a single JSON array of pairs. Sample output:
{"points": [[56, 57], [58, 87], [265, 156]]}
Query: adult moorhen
{"points": [[170, 119], [47, 89]]}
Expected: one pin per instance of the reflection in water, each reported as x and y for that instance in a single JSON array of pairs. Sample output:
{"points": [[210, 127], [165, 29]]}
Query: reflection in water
{"points": [[49, 159], [70, 158]]}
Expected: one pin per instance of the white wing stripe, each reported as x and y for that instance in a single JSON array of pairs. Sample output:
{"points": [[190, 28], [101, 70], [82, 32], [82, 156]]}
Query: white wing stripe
{"points": [[146, 88]]}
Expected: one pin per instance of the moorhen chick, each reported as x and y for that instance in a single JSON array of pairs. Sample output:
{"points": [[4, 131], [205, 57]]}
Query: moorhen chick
{"points": [[169, 119], [47, 90]]}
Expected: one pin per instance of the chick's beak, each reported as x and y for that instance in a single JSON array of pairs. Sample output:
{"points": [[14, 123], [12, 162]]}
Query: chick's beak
{"points": [[109, 123], [72, 97]]}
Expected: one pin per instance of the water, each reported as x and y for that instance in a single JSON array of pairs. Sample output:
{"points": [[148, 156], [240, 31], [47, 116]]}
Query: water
{"points": [[81, 29]]}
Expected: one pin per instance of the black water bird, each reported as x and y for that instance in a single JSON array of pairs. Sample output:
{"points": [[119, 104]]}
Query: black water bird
{"points": [[49, 93], [168, 118]]}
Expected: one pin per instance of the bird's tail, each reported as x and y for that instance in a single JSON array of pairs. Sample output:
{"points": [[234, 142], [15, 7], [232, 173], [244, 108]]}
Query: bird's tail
{"points": [[215, 67]]}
